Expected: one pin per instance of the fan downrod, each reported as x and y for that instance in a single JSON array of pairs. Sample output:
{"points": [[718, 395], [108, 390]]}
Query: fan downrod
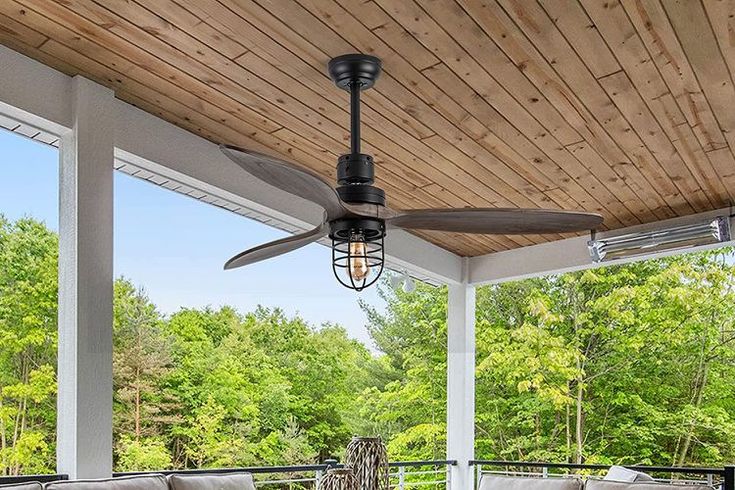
{"points": [[356, 170]]}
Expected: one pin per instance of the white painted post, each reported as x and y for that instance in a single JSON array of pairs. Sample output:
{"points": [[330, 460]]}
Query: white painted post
{"points": [[318, 479], [84, 448], [461, 381]]}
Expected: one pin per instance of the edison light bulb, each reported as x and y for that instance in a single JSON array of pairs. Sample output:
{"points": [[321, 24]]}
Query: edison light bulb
{"points": [[359, 267]]}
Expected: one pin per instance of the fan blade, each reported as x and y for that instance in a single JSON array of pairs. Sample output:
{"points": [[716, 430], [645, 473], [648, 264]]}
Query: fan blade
{"points": [[278, 247], [496, 221], [288, 177]]}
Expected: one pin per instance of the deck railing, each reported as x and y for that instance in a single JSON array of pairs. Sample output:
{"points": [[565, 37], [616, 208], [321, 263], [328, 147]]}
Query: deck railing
{"points": [[404, 475], [427, 475], [9, 480], [722, 477], [424, 474], [435, 474]]}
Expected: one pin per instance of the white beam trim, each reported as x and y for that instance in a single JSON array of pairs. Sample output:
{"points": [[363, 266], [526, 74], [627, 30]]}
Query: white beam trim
{"points": [[34, 93], [84, 427], [572, 254], [461, 381], [151, 143]]}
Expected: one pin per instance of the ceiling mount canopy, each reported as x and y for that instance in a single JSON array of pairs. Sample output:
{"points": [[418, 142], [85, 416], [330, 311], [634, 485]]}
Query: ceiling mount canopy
{"points": [[355, 213]]}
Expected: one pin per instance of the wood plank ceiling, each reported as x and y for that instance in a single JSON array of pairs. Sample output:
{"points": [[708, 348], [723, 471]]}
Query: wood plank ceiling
{"points": [[619, 107]]}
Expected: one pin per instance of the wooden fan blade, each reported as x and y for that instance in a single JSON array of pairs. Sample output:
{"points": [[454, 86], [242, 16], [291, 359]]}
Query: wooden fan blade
{"points": [[288, 177], [276, 248], [496, 221]]}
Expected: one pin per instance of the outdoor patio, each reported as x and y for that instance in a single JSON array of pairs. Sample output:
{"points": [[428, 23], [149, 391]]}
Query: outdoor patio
{"points": [[647, 148]]}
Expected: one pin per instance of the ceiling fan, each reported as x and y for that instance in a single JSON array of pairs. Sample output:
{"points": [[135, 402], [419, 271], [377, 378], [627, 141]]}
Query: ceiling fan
{"points": [[355, 214]]}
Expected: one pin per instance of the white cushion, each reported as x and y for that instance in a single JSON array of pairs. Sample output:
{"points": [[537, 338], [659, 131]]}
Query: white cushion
{"points": [[614, 485], [142, 482], [23, 486], [223, 481], [619, 473], [497, 482]]}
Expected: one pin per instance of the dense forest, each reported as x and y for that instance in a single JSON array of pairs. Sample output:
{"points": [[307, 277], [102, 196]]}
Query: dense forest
{"points": [[626, 364]]}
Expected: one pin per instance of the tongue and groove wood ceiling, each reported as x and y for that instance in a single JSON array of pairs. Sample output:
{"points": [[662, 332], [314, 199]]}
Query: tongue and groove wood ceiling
{"points": [[626, 108]]}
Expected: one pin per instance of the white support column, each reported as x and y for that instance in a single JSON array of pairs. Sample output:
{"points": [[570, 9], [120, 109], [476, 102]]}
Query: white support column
{"points": [[461, 381], [84, 448]]}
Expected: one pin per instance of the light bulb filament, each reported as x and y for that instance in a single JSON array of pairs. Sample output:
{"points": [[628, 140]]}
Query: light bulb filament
{"points": [[359, 267]]}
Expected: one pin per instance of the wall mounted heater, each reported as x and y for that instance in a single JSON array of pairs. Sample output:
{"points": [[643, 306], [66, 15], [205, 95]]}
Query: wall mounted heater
{"points": [[716, 230]]}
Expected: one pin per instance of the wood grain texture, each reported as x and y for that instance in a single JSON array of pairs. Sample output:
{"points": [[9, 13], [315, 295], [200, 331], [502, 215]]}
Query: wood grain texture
{"points": [[621, 107]]}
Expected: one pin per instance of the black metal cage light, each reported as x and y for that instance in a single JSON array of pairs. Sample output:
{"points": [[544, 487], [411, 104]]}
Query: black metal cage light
{"points": [[357, 251]]}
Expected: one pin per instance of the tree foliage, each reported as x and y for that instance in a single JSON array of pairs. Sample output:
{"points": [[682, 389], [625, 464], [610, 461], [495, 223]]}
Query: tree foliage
{"points": [[626, 364], [28, 298]]}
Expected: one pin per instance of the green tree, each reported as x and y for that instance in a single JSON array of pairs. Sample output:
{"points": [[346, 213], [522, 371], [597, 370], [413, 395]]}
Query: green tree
{"points": [[141, 364], [28, 338], [610, 365], [141, 454], [625, 364], [214, 381], [407, 407], [276, 388]]}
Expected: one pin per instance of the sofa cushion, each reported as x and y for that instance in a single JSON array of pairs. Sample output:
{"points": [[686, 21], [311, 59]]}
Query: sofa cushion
{"points": [[22, 486], [497, 482], [222, 481], [619, 473], [142, 482], [615, 485]]}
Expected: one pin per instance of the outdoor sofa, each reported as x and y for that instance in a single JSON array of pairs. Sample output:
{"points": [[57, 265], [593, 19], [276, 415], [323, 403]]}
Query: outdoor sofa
{"points": [[617, 478], [226, 481]]}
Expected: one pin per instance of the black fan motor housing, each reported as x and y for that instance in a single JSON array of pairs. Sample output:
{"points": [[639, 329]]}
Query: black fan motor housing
{"points": [[355, 169], [356, 174], [361, 194]]}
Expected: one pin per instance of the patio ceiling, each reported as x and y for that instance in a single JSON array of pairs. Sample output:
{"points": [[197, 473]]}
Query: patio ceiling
{"points": [[624, 108]]}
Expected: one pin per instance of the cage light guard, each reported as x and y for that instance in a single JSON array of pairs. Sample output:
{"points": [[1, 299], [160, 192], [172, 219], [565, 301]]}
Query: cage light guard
{"points": [[345, 232]]}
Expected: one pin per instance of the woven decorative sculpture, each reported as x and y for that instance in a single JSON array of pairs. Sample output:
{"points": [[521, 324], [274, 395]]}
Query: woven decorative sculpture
{"points": [[339, 479], [368, 459]]}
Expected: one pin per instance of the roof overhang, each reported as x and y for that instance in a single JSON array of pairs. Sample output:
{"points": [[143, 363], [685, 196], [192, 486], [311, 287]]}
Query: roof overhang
{"points": [[35, 101]]}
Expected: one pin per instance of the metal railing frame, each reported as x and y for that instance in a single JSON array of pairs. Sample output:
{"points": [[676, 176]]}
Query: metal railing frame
{"points": [[403, 477], [399, 470], [726, 473], [9, 480], [400, 473]]}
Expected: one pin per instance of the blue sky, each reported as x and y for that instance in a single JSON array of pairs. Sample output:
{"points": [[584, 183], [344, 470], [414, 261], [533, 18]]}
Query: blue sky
{"points": [[175, 246]]}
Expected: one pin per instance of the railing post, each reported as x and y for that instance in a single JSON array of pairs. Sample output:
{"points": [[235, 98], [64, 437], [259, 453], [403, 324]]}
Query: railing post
{"points": [[545, 472], [330, 463], [478, 476], [401, 477], [729, 480], [318, 479]]}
